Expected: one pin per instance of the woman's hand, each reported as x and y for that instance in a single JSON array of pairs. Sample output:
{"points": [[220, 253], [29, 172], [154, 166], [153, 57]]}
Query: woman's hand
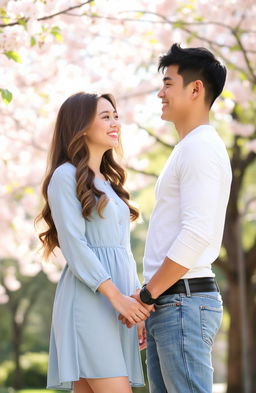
{"points": [[129, 308], [136, 296], [142, 335], [132, 310]]}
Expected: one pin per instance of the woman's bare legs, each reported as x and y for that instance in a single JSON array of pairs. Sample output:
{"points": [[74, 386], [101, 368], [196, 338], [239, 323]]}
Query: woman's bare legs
{"points": [[81, 386], [103, 385]]}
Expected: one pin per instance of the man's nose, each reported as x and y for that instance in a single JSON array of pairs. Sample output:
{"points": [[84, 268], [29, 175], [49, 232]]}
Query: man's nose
{"points": [[160, 94]]}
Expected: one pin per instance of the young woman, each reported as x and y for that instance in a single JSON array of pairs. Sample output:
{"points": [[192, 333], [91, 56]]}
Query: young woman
{"points": [[88, 214]]}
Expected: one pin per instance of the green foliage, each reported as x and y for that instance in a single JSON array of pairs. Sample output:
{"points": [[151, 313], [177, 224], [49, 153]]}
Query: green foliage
{"points": [[34, 370], [23, 22], [55, 31], [11, 390], [32, 41], [13, 56], [38, 391], [178, 24], [3, 14], [6, 95], [34, 298], [6, 369], [227, 94], [37, 332], [5, 334], [156, 157]]}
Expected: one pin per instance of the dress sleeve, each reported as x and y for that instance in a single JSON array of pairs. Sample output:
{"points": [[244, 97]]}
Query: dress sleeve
{"points": [[70, 224], [138, 284], [200, 180]]}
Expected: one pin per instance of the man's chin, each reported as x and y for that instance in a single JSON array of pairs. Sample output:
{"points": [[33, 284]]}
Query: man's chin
{"points": [[166, 116]]}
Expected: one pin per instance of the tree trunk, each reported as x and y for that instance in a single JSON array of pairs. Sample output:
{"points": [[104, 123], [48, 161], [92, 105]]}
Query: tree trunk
{"points": [[17, 336], [235, 382], [252, 329]]}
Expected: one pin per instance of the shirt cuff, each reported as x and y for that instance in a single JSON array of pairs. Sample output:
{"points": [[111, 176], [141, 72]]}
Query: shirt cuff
{"points": [[187, 248], [96, 286]]}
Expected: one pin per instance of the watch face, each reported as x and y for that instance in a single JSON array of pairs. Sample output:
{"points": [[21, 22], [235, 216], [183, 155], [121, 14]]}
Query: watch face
{"points": [[145, 296]]}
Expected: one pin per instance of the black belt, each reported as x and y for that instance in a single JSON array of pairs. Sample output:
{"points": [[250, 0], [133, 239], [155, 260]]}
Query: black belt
{"points": [[202, 284]]}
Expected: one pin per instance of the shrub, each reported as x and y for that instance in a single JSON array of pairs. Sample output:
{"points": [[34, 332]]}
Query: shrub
{"points": [[34, 370]]}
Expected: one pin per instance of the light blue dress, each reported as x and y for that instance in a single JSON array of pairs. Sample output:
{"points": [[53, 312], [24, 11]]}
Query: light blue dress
{"points": [[87, 339]]}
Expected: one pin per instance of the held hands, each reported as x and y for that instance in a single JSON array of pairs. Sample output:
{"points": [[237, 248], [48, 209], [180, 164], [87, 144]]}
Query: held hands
{"points": [[147, 307], [130, 309]]}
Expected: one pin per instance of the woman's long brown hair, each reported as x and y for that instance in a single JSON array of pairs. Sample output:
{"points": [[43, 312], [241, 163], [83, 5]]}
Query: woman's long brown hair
{"points": [[69, 145]]}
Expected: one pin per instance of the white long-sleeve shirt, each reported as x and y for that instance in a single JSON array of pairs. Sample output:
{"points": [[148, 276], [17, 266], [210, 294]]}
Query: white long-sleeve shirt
{"points": [[192, 193]]}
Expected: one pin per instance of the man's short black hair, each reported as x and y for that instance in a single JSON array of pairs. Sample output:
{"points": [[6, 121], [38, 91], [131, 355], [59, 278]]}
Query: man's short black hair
{"points": [[197, 64]]}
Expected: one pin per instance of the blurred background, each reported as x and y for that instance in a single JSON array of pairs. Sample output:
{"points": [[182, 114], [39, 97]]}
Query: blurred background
{"points": [[50, 49]]}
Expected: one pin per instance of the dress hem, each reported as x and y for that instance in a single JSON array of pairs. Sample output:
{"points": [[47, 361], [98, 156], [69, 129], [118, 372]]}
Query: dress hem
{"points": [[59, 387]]}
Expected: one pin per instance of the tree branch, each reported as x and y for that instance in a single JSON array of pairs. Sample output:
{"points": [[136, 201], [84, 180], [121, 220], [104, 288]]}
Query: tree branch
{"points": [[225, 59], [194, 23], [49, 16], [244, 52], [161, 141], [65, 11], [140, 171], [177, 23]]}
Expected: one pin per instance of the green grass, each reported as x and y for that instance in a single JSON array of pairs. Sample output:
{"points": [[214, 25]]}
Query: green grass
{"points": [[37, 391], [218, 388], [11, 390]]}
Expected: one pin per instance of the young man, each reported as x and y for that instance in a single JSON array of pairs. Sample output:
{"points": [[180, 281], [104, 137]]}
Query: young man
{"points": [[186, 228]]}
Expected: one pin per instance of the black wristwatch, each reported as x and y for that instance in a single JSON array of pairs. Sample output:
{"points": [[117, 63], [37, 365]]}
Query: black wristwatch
{"points": [[145, 296]]}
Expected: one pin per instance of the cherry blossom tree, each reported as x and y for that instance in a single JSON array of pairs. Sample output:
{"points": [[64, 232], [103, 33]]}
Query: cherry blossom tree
{"points": [[51, 49]]}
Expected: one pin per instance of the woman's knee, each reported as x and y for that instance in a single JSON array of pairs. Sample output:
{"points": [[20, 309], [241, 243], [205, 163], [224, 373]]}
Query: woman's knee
{"points": [[82, 386], [110, 385]]}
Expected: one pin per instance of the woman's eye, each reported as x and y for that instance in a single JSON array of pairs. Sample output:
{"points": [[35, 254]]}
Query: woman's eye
{"points": [[106, 117]]}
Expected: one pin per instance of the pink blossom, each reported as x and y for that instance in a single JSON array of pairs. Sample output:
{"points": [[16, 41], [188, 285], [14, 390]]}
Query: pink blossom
{"points": [[10, 279], [98, 55], [24, 8], [244, 130], [3, 295], [251, 145]]}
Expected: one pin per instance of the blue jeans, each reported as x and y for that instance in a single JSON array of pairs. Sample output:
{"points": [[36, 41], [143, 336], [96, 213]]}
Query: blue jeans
{"points": [[180, 336]]}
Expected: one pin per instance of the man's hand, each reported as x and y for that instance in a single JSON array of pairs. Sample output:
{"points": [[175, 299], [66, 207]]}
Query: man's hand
{"points": [[125, 321], [149, 307]]}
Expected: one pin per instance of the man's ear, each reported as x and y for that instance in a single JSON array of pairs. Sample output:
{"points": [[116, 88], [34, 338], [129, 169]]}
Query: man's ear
{"points": [[197, 88]]}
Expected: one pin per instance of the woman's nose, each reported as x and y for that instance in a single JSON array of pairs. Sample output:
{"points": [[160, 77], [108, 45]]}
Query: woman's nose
{"points": [[115, 123]]}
